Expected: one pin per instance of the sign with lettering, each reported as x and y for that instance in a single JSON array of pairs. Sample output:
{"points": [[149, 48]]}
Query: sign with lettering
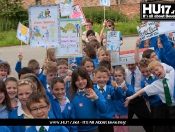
{"points": [[71, 40], [44, 26]]}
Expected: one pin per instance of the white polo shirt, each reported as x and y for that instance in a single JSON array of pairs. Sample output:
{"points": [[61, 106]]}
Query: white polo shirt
{"points": [[157, 87]]}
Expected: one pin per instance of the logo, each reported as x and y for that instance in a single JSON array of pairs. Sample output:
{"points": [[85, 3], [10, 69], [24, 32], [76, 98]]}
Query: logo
{"points": [[157, 11]]}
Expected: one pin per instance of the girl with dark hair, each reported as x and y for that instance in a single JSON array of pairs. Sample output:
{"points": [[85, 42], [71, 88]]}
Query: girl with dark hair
{"points": [[85, 99]]}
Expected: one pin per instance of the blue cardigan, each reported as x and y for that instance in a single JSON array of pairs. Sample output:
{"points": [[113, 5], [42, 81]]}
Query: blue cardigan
{"points": [[110, 95], [86, 108], [51, 129], [119, 107]]}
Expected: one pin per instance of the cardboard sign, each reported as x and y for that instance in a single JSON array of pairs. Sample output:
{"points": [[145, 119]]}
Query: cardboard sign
{"points": [[105, 2], [65, 7], [113, 40]]}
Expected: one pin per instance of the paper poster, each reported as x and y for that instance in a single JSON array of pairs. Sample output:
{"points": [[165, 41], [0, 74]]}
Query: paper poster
{"points": [[78, 13], [71, 40], [105, 2], [44, 26], [65, 7], [113, 40], [147, 30], [114, 57], [166, 27], [127, 57], [23, 33]]}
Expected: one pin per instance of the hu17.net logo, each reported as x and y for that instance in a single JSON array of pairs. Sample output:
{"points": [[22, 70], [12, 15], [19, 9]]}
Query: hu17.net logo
{"points": [[157, 11]]}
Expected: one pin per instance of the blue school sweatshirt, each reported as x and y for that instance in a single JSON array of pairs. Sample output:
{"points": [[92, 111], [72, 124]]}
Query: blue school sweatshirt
{"points": [[169, 51], [95, 60], [154, 99], [79, 59], [51, 129], [86, 108], [18, 66], [110, 94], [120, 109], [67, 113], [4, 129], [14, 115]]}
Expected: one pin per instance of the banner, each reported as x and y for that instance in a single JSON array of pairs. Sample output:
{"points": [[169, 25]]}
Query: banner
{"points": [[71, 40], [77, 13], [105, 2], [44, 26], [23, 33], [65, 7], [149, 29], [113, 40]]}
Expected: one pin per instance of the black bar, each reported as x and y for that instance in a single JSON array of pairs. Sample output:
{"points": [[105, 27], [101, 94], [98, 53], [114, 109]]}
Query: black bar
{"points": [[83, 122]]}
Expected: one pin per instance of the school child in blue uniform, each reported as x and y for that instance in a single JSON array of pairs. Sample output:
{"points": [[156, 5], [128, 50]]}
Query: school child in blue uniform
{"points": [[86, 100], [39, 106], [158, 108], [61, 106], [5, 70], [25, 88], [89, 65], [4, 102], [109, 93], [121, 112]]}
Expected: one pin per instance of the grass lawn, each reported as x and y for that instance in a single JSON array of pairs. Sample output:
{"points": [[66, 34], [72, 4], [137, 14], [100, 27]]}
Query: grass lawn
{"points": [[8, 38]]}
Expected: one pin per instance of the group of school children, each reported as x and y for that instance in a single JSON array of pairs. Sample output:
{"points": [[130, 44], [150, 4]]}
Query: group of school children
{"points": [[89, 87]]}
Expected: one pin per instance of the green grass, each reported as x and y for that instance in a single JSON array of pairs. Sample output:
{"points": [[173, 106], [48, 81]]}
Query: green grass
{"points": [[8, 38]]}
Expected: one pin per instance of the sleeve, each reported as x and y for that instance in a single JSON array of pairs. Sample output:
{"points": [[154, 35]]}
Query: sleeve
{"points": [[64, 129], [130, 90], [43, 79], [150, 90], [153, 43], [170, 52], [116, 94], [141, 45], [100, 102], [72, 116], [18, 66], [142, 83], [161, 54], [167, 67]]}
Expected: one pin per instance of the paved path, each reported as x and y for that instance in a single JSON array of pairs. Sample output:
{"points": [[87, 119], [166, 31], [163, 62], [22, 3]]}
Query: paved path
{"points": [[10, 54]]}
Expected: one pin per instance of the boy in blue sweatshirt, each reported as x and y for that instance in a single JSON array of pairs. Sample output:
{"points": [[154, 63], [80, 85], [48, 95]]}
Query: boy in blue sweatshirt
{"points": [[109, 93], [39, 107]]}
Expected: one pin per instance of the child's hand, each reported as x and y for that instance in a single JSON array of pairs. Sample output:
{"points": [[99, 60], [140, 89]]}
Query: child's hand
{"points": [[123, 86], [72, 65], [157, 24], [90, 93], [121, 42], [67, 79], [138, 42], [114, 84], [128, 99], [105, 23], [146, 83], [94, 79], [20, 56]]}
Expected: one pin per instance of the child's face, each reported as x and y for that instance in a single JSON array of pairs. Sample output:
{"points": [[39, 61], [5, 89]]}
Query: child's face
{"points": [[50, 76], [89, 67], [103, 55], [62, 70], [88, 26], [11, 89], [119, 77], [102, 78], [90, 37], [3, 73], [84, 45], [40, 110], [58, 90], [2, 97], [110, 26], [84, 54], [81, 82], [131, 67], [153, 57], [54, 57], [36, 71], [23, 93], [146, 44], [104, 42], [158, 72], [145, 72]]}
